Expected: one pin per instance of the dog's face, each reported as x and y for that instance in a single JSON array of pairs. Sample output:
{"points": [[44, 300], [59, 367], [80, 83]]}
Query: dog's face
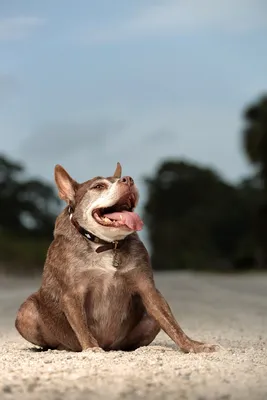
{"points": [[103, 206]]}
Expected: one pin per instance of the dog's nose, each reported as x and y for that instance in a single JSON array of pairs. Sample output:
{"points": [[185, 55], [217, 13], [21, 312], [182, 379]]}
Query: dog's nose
{"points": [[127, 180]]}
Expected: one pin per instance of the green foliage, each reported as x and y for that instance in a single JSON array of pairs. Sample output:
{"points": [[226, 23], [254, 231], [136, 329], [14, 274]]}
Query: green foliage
{"points": [[197, 221], [22, 255], [255, 145], [255, 133], [28, 208]]}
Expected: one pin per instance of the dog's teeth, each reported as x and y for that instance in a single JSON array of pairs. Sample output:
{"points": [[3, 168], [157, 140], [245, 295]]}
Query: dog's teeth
{"points": [[120, 216], [106, 219]]}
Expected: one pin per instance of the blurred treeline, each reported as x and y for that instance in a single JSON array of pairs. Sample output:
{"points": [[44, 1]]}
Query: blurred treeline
{"points": [[28, 208], [195, 219]]}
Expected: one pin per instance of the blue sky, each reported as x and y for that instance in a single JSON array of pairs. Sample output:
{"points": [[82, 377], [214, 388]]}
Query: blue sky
{"points": [[89, 83]]}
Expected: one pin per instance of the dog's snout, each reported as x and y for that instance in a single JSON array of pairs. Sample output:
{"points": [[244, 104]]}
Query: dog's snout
{"points": [[127, 180]]}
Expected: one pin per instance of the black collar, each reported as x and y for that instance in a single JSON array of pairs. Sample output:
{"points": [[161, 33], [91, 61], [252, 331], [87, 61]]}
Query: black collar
{"points": [[90, 236]]}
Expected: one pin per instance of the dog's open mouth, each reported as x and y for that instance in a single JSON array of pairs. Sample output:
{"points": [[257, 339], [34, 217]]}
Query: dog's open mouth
{"points": [[120, 214]]}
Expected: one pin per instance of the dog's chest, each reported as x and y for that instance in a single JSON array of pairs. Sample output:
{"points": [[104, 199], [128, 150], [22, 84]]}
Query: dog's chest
{"points": [[109, 293], [105, 276], [105, 262]]}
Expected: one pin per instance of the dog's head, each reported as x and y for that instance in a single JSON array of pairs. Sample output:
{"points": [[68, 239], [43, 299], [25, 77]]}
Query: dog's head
{"points": [[103, 206]]}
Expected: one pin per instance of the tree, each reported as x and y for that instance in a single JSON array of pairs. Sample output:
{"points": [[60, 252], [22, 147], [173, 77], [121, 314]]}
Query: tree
{"points": [[255, 137], [27, 206], [196, 220], [255, 145]]}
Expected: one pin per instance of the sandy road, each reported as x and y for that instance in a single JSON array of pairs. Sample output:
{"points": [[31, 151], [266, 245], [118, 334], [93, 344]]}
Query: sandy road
{"points": [[231, 311]]}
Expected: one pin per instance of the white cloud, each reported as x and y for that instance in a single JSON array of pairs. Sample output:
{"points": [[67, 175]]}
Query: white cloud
{"points": [[17, 28], [174, 17]]}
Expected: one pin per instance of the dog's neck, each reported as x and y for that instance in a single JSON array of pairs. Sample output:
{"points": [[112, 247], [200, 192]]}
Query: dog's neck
{"points": [[93, 238]]}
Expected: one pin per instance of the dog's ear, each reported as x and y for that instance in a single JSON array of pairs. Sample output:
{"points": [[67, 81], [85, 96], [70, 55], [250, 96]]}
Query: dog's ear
{"points": [[66, 185], [117, 173]]}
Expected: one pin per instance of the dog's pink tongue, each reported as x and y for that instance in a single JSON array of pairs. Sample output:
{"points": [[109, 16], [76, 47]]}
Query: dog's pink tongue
{"points": [[130, 219]]}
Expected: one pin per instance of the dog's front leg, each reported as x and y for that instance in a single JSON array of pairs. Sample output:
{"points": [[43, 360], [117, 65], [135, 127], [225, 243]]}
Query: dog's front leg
{"points": [[74, 310], [158, 308]]}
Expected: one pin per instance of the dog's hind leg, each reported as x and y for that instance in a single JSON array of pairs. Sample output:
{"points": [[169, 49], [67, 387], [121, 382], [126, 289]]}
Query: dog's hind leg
{"points": [[29, 324], [142, 335]]}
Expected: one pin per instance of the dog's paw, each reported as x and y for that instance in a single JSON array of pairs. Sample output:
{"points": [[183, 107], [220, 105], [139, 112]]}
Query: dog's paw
{"points": [[94, 350], [198, 347], [206, 348]]}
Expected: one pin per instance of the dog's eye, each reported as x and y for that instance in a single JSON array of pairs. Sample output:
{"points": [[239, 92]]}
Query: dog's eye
{"points": [[99, 186]]}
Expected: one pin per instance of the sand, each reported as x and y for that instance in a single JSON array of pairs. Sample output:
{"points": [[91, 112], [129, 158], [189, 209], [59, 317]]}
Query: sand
{"points": [[229, 310]]}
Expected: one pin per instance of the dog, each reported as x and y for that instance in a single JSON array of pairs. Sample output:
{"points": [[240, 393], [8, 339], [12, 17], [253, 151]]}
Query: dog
{"points": [[97, 291]]}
